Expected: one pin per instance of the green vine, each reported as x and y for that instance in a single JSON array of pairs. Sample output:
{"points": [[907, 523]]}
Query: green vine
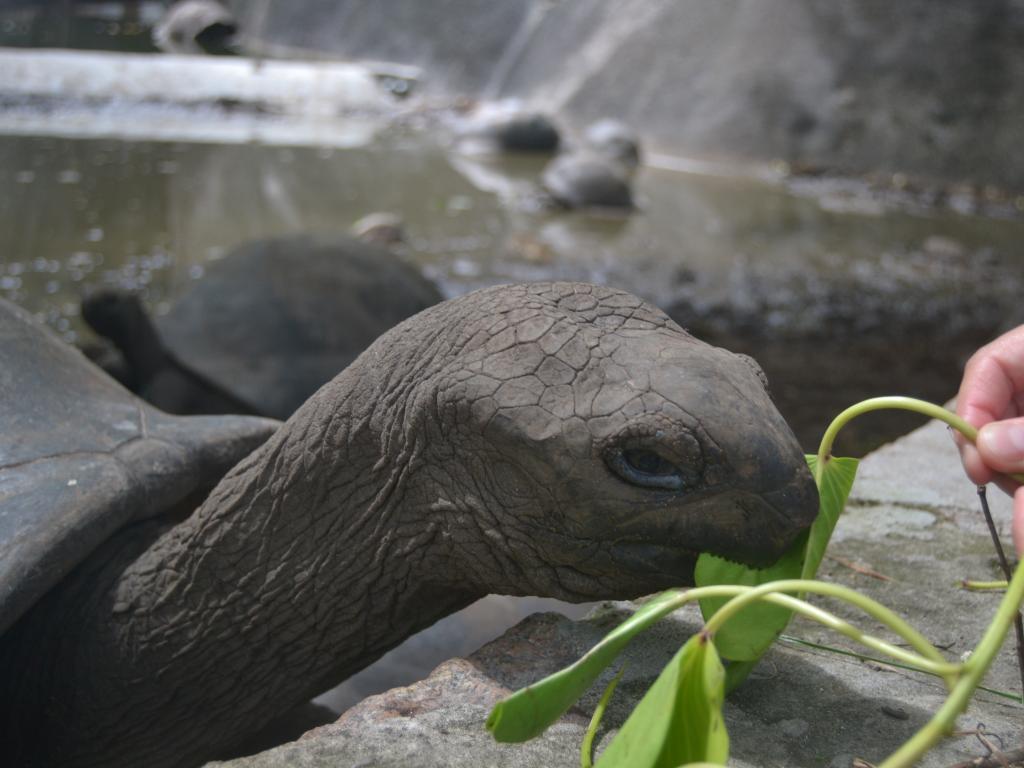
{"points": [[896, 402], [973, 670]]}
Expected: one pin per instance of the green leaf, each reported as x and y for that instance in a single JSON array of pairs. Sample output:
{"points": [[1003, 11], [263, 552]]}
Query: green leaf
{"points": [[746, 636], [528, 712], [833, 489], [736, 672], [679, 720], [587, 748]]}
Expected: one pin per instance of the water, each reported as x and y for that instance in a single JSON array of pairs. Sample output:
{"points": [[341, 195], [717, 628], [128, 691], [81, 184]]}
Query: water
{"points": [[83, 25], [903, 296]]}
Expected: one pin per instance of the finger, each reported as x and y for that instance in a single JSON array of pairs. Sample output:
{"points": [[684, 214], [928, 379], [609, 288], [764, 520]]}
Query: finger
{"points": [[971, 460], [1000, 445], [993, 378], [1006, 484], [1018, 521], [974, 466]]}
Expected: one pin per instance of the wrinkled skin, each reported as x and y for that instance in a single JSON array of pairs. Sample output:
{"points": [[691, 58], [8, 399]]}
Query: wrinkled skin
{"points": [[562, 440]]}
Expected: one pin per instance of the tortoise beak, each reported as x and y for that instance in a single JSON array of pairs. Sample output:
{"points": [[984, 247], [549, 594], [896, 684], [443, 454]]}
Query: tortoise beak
{"points": [[789, 512]]}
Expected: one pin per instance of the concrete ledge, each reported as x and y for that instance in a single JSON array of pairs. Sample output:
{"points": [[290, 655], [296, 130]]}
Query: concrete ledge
{"points": [[310, 87], [188, 98]]}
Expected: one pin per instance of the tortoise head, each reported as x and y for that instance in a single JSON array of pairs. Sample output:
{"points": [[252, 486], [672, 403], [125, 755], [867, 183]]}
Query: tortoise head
{"points": [[113, 314], [593, 449]]}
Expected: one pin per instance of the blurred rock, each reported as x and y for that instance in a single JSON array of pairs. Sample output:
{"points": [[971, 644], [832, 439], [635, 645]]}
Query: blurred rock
{"points": [[509, 128], [197, 26], [615, 141], [585, 180], [923, 88], [380, 228]]}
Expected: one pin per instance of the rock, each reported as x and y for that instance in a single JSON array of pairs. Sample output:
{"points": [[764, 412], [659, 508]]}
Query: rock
{"points": [[504, 127], [802, 706], [380, 228], [529, 132], [438, 721], [615, 141], [196, 26], [792, 79], [584, 180], [460, 634]]}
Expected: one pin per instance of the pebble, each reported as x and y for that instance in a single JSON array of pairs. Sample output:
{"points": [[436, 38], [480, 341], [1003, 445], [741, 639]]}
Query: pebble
{"points": [[898, 713]]}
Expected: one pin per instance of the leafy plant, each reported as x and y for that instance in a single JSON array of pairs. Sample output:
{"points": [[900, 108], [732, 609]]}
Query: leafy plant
{"points": [[679, 720]]}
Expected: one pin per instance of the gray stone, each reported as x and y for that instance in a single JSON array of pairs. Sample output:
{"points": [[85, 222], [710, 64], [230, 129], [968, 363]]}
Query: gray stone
{"points": [[584, 180], [196, 26], [791, 79], [802, 707]]}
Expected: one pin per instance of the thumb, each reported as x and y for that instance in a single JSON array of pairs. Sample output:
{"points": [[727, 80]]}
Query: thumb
{"points": [[1001, 445]]}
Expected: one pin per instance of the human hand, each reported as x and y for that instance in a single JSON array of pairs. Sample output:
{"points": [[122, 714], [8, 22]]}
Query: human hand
{"points": [[991, 398]]}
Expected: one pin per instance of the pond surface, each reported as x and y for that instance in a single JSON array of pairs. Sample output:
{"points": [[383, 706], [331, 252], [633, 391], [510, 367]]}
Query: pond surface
{"points": [[77, 24]]}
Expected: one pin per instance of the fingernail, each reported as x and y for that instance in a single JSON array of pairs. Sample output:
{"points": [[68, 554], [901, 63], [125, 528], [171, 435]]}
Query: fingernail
{"points": [[1003, 441]]}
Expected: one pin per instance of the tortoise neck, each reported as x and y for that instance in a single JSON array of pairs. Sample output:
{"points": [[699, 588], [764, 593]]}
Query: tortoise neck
{"points": [[302, 566], [141, 345]]}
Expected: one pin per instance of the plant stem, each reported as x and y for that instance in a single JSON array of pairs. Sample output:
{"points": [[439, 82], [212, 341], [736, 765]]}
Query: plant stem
{"points": [[929, 660], [1003, 562], [1009, 609], [902, 403], [983, 586], [935, 660], [1018, 624], [793, 640], [587, 748], [974, 670]]}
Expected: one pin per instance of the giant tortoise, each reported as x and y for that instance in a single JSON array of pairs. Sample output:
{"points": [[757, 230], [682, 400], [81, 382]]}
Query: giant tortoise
{"points": [[149, 368], [557, 439], [266, 327]]}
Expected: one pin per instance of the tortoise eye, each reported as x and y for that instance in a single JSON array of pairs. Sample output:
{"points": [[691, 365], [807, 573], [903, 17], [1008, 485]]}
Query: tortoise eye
{"points": [[648, 462], [645, 468]]}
